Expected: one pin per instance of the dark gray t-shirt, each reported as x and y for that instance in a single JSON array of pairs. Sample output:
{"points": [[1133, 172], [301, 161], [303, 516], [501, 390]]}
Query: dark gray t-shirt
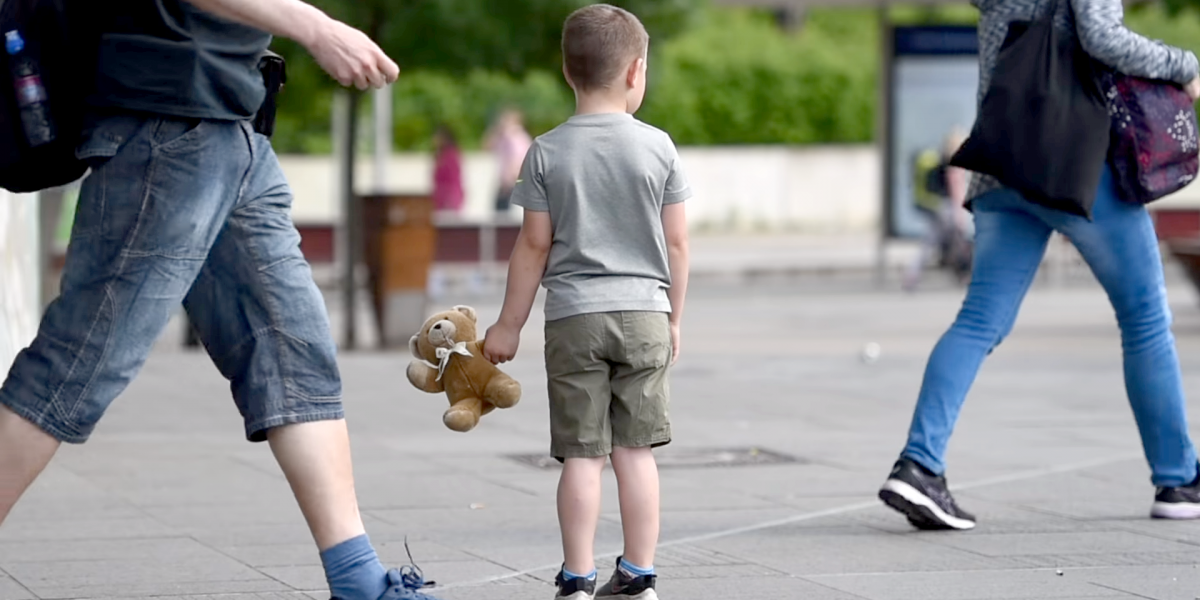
{"points": [[604, 179], [167, 57]]}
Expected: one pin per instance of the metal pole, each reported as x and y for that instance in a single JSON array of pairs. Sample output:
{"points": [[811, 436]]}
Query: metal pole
{"points": [[345, 118], [382, 100], [883, 137]]}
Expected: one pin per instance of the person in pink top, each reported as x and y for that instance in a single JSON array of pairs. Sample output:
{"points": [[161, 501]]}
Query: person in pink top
{"points": [[509, 141], [447, 172]]}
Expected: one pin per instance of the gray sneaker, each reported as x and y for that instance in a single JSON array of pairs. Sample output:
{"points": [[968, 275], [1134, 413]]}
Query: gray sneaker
{"points": [[628, 586]]}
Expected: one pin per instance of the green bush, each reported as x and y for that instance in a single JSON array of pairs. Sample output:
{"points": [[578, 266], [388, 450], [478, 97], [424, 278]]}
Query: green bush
{"points": [[467, 105], [739, 79], [733, 77]]}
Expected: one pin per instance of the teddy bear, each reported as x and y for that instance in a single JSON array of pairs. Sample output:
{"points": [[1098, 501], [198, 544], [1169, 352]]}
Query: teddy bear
{"points": [[450, 359]]}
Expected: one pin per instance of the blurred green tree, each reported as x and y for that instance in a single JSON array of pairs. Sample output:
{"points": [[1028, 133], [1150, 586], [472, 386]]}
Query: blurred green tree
{"points": [[455, 37]]}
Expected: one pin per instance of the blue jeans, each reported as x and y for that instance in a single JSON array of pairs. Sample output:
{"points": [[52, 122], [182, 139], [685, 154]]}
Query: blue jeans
{"points": [[176, 211], [1121, 248]]}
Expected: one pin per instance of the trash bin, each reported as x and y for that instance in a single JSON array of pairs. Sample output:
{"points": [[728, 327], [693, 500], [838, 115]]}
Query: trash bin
{"points": [[399, 246]]}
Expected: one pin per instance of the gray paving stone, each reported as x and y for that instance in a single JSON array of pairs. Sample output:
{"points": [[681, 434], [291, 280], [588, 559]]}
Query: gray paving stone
{"points": [[100, 587], [220, 535], [178, 549], [11, 590], [802, 553], [16, 529], [274, 555], [684, 524], [251, 596], [200, 481], [965, 585], [158, 566], [521, 589], [1160, 581], [168, 500], [762, 587], [308, 577], [1034, 544], [1113, 559]]}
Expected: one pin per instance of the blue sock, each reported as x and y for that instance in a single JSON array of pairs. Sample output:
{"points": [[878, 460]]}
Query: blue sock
{"points": [[569, 575], [353, 570], [636, 570]]}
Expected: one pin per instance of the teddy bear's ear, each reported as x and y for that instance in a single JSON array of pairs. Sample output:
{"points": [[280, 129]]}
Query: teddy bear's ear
{"points": [[414, 348], [467, 310]]}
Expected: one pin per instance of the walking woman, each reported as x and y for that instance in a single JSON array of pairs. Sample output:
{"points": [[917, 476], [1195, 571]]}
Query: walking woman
{"points": [[1119, 245]]}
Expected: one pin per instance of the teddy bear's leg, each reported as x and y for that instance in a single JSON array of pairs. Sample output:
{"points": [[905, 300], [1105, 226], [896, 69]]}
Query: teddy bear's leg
{"points": [[424, 377], [464, 415], [503, 391]]}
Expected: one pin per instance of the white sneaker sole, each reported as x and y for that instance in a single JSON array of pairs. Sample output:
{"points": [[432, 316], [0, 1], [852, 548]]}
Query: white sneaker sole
{"points": [[575, 596], [915, 498], [1175, 510], [646, 595]]}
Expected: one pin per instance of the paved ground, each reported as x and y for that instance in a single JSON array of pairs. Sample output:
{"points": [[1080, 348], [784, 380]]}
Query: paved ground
{"points": [[167, 501]]}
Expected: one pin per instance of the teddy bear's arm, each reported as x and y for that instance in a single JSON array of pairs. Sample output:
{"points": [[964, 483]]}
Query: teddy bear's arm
{"points": [[424, 377]]}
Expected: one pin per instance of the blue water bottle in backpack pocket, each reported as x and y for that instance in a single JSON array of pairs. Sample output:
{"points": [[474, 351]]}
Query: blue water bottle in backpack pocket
{"points": [[31, 93]]}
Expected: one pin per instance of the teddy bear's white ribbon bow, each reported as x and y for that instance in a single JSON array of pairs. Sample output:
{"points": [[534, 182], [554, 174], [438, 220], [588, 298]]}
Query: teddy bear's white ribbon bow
{"points": [[444, 355]]}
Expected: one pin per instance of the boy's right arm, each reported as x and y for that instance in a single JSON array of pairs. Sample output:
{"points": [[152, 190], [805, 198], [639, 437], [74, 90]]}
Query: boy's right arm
{"points": [[674, 219], [346, 53], [525, 271]]}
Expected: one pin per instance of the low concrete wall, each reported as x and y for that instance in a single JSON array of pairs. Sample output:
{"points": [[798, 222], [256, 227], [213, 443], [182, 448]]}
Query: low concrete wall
{"points": [[20, 279], [811, 189], [822, 189]]}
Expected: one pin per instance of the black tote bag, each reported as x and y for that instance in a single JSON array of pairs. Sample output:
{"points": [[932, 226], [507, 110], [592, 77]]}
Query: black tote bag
{"points": [[1043, 126]]}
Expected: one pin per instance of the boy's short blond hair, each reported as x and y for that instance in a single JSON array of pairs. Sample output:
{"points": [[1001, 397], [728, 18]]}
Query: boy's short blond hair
{"points": [[599, 42]]}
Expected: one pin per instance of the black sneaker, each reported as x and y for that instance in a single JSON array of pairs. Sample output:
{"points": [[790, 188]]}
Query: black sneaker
{"points": [[1177, 502], [627, 585], [574, 589], [923, 497]]}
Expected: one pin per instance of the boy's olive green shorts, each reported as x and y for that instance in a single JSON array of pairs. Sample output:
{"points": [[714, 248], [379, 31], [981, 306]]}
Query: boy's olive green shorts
{"points": [[608, 386]]}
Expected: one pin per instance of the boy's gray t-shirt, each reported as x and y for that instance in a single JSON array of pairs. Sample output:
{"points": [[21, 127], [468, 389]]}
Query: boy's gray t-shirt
{"points": [[604, 179]]}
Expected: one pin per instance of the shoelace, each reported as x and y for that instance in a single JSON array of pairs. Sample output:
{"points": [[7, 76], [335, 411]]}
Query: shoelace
{"points": [[411, 576], [943, 496]]}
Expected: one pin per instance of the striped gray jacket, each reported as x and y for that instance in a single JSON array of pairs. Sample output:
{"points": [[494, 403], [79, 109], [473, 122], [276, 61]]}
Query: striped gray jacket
{"points": [[1099, 25]]}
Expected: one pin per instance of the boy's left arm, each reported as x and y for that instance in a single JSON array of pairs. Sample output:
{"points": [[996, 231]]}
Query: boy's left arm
{"points": [[525, 271]]}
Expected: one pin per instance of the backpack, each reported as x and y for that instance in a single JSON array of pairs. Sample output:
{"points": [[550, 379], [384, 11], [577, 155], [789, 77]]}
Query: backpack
{"points": [[935, 181], [62, 37]]}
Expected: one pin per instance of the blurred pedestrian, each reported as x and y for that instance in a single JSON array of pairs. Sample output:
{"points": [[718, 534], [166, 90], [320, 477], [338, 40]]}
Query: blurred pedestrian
{"points": [[1011, 233], [447, 193], [508, 140], [447, 171], [941, 190]]}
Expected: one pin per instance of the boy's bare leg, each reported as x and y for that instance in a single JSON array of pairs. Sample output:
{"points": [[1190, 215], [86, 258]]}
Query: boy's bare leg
{"points": [[315, 458], [25, 450], [637, 485], [579, 511]]}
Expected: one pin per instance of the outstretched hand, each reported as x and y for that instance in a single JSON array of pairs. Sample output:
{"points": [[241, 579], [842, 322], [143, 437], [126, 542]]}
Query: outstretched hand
{"points": [[350, 57]]}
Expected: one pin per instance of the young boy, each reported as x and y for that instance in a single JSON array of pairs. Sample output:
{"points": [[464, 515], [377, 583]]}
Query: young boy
{"points": [[605, 233]]}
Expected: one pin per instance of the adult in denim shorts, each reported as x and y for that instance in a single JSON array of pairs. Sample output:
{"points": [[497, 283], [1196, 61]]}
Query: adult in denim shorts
{"points": [[186, 203]]}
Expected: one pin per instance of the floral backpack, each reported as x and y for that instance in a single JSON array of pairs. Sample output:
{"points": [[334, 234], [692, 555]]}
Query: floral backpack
{"points": [[1154, 151]]}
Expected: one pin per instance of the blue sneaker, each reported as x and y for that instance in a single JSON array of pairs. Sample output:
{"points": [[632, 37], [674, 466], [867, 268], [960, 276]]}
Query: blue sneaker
{"points": [[406, 582]]}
